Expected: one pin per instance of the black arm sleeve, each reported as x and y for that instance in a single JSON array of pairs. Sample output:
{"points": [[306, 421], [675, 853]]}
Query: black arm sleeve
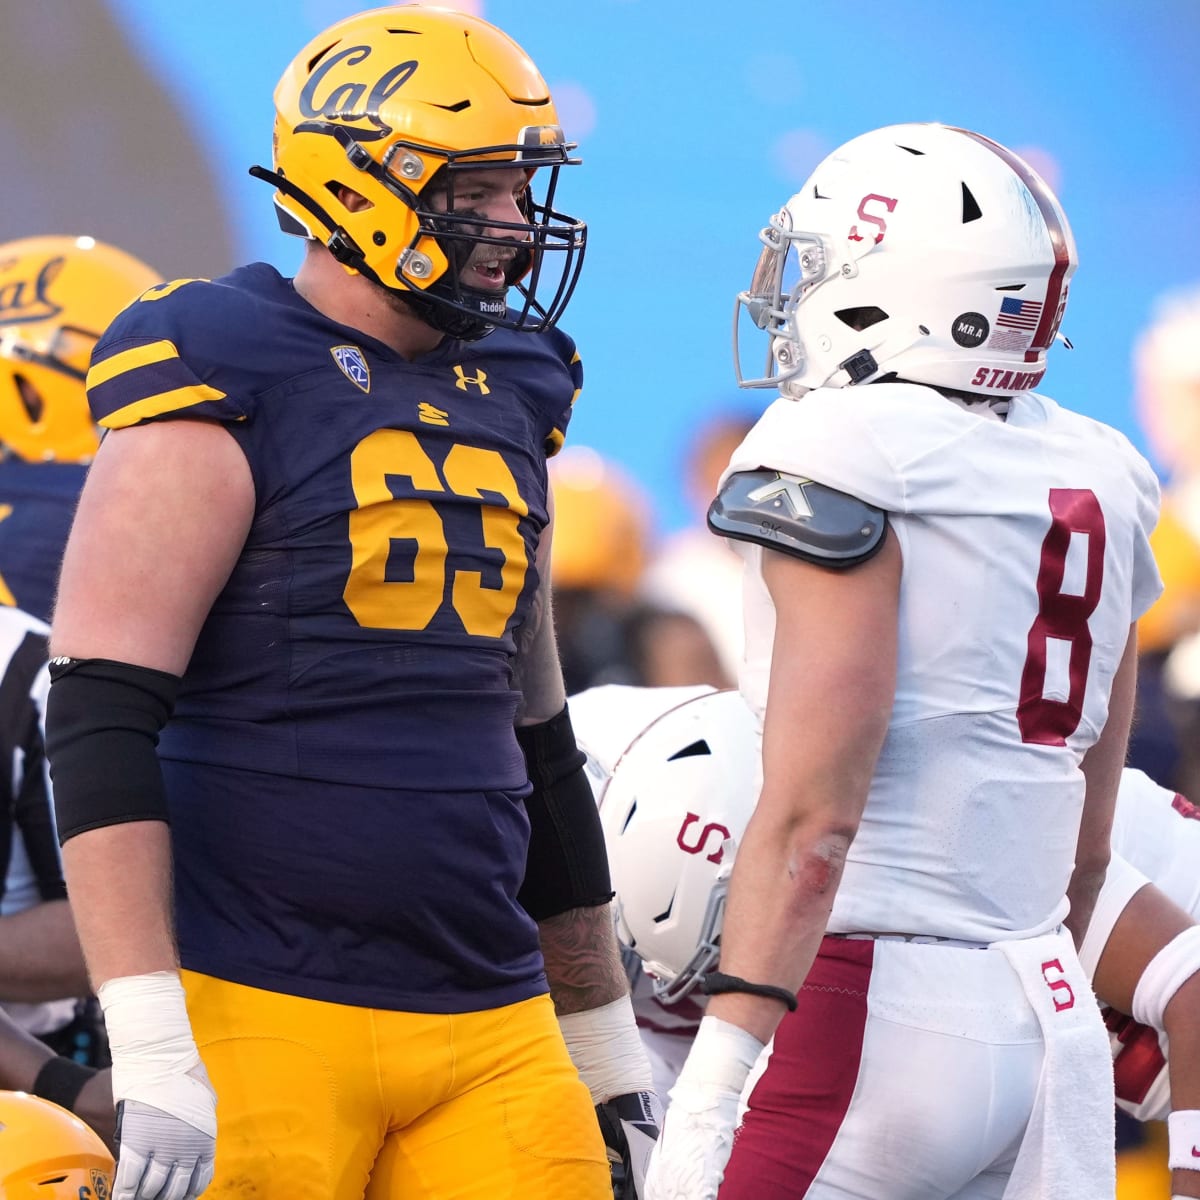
{"points": [[102, 724], [567, 865]]}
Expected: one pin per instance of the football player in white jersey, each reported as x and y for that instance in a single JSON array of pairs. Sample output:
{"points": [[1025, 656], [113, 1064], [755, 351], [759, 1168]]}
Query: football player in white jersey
{"points": [[673, 772], [943, 571]]}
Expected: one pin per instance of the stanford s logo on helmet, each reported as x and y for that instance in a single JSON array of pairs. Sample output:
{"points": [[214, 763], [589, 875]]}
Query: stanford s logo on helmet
{"points": [[674, 811], [393, 104], [922, 253]]}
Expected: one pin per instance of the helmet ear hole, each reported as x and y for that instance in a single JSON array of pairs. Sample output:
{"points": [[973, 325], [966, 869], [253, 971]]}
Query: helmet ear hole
{"points": [[862, 317], [31, 398], [970, 206], [347, 197]]}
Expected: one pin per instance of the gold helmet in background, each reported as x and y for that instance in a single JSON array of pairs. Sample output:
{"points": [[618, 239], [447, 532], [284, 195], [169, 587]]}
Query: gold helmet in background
{"points": [[57, 296], [602, 524], [47, 1153]]}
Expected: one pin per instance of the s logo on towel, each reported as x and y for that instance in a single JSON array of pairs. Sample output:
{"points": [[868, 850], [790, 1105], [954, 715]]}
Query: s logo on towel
{"points": [[1059, 985]]}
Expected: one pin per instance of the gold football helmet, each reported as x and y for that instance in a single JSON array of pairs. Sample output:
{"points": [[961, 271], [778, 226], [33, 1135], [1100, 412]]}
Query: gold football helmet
{"points": [[392, 104], [602, 524], [47, 1153], [57, 296]]}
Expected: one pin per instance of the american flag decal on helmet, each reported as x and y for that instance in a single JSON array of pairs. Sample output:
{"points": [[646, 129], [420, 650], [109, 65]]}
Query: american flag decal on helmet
{"points": [[1019, 314], [353, 365]]}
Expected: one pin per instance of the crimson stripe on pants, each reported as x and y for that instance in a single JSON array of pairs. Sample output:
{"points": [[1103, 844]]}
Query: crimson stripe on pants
{"points": [[797, 1107]]}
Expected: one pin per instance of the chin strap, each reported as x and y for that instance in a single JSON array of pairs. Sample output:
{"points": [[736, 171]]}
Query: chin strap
{"points": [[443, 315]]}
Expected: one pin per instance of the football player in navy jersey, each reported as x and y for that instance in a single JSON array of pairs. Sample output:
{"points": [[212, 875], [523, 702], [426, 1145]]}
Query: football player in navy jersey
{"points": [[57, 295], [309, 563]]}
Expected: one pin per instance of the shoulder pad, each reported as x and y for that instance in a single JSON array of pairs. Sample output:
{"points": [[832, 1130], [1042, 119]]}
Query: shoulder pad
{"points": [[195, 348], [799, 517]]}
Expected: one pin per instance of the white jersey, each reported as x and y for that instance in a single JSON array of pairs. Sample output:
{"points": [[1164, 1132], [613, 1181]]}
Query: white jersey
{"points": [[1156, 836], [1025, 560], [1158, 831]]}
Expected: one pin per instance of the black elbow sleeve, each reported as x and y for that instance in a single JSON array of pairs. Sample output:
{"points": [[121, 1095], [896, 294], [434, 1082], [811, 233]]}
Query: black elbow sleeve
{"points": [[103, 719], [567, 865]]}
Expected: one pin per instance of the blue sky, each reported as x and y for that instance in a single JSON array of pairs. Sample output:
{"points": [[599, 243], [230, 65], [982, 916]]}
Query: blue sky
{"points": [[697, 120]]}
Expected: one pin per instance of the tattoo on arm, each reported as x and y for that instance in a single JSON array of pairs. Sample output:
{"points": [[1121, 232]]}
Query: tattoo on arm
{"points": [[583, 960]]}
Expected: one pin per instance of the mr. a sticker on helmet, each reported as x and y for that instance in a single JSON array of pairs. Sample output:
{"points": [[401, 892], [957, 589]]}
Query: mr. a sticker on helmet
{"points": [[970, 329], [353, 365]]}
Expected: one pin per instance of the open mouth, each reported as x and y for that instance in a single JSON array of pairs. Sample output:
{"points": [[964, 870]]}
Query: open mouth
{"points": [[487, 274]]}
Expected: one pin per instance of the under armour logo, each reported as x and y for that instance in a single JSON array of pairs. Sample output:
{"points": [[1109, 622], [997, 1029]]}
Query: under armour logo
{"points": [[787, 489], [479, 379], [353, 365]]}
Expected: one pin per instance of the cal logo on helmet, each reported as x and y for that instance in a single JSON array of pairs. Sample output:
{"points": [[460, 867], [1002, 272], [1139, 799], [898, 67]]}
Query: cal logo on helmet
{"points": [[28, 299]]}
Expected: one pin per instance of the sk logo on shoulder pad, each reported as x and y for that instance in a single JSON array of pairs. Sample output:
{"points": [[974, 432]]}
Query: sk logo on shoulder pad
{"points": [[353, 365], [785, 489], [479, 380]]}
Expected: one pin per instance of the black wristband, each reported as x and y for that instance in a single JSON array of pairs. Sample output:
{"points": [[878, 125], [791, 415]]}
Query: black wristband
{"points": [[61, 1080], [714, 984]]}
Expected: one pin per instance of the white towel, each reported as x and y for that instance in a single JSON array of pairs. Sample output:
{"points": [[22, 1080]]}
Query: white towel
{"points": [[1068, 1149]]}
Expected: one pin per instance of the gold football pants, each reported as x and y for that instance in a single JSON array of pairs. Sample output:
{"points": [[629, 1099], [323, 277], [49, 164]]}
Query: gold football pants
{"points": [[319, 1101]]}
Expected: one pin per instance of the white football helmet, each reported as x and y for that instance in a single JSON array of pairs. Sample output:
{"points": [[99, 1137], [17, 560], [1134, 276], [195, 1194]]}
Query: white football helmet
{"points": [[674, 810], [923, 253]]}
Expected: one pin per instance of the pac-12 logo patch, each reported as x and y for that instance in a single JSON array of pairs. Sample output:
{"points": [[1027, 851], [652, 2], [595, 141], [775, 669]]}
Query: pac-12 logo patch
{"points": [[353, 365]]}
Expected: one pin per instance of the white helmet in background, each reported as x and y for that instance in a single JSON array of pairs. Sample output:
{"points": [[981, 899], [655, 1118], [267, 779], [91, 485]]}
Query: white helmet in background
{"points": [[923, 253], [674, 810]]}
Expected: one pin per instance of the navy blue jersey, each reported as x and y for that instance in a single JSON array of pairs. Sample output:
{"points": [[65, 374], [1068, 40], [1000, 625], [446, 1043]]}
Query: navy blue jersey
{"points": [[364, 639], [37, 502]]}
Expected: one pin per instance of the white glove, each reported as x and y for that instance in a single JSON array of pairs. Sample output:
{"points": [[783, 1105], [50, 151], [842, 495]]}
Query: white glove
{"points": [[689, 1158], [166, 1108]]}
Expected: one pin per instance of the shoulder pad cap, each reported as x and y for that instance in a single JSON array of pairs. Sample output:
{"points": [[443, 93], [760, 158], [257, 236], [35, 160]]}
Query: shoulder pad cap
{"points": [[799, 517]]}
